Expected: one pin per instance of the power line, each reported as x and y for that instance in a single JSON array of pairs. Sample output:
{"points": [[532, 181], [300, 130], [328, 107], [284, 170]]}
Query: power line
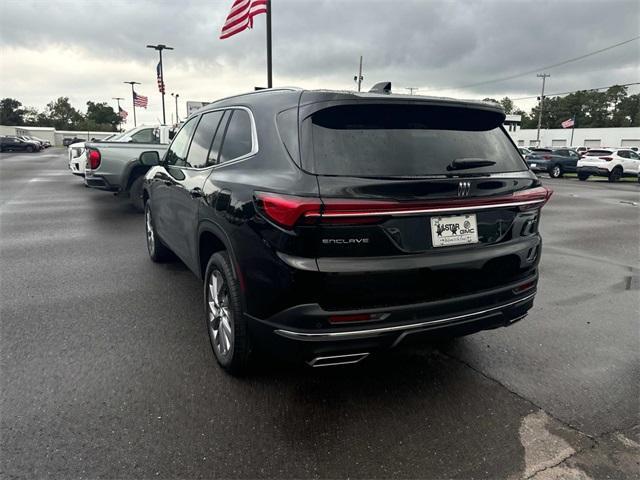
{"points": [[582, 90], [536, 70]]}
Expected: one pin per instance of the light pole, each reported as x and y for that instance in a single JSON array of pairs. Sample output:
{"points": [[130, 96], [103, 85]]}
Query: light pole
{"points": [[133, 99], [544, 78], [159, 48], [176, 95]]}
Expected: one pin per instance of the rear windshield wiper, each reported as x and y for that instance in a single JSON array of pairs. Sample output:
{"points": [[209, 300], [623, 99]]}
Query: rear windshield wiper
{"points": [[464, 163]]}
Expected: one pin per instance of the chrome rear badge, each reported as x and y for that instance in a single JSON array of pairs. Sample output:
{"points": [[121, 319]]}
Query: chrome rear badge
{"points": [[464, 188]]}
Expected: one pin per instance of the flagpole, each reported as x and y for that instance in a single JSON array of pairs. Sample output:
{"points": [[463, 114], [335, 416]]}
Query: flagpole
{"points": [[269, 69], [133, 100], [573, 127]]}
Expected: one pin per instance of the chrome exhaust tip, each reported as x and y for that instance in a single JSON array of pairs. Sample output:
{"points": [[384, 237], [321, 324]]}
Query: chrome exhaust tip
{"points": [[334, 360]]}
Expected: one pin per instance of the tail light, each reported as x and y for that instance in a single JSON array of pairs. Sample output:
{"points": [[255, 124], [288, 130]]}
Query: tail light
{"points": [[547, 157], [608, 159], [93, 158], [288, 210]]}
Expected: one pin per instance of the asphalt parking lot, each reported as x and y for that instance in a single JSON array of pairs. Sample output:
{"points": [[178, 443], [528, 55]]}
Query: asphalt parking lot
{"points": [[107, 371]]}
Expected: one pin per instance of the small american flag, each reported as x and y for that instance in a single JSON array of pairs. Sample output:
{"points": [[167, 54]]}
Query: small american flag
{"points": [[140, 100], [123, 114], [241, 16], [160, 80], [568, 123]]}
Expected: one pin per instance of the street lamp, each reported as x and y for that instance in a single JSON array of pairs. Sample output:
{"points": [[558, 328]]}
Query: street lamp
{"points": [[159, 48], [176, 95]]}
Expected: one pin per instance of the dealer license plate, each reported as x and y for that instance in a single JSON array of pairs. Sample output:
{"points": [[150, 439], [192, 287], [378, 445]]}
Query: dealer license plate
{"points": [[455, 230], [533, 165]]}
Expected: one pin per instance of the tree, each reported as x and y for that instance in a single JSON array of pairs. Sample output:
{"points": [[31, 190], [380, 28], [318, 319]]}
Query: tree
{"points": [[10, 112], [507, 104], [61, 115], [101, 116]]}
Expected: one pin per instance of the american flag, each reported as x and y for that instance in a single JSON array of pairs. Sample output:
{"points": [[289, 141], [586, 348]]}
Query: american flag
{"points": [[123, 114], [568, 123], [160, 80], [241, 16], [140, 100]]}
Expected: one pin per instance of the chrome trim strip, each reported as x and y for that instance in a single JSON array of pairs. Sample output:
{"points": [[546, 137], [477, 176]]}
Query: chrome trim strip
{"points": [[349, 359], [376, 331], [425, 210]]}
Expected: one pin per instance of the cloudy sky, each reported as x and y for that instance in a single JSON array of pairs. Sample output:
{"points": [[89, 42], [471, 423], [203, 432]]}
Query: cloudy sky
{"points": [[85, 49]]}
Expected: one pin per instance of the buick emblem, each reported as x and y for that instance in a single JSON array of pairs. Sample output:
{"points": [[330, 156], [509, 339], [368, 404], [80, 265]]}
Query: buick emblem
{"points": [[464, 188]]}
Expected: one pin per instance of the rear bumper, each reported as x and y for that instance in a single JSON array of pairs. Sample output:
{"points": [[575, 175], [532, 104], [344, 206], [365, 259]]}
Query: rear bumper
{"points": [[498, 307], [599, 171], [100, 182]]}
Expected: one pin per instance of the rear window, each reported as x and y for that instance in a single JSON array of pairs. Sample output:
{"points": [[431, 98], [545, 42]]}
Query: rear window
{"points": [[597, 153], [404, 140]]}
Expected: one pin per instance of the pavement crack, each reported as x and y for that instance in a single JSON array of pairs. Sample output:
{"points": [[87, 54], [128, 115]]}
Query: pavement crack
{"points": [[513, 392]]}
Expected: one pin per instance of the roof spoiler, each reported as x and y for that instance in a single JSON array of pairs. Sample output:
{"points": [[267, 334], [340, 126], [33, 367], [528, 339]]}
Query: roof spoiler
{"points": [[381, 87]]}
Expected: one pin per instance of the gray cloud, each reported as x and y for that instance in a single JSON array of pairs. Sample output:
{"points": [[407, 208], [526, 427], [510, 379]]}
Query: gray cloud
{"points": [[429, 44]]}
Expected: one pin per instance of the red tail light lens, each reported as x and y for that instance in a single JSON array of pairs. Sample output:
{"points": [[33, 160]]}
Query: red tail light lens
{"points": [[286, 210], [94, 158], [547, 157], [537, 196], [608, 159]]}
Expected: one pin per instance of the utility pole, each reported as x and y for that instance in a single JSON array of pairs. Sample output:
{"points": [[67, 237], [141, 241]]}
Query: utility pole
{"points": [[133, 99], [544, 78], [359, 78], [159, 48], [411, 89], [176, 95]]}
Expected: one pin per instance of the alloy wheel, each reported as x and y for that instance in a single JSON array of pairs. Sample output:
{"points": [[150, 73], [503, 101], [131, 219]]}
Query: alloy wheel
{"points": [[151, 239], [556, 171], [219, 314]]}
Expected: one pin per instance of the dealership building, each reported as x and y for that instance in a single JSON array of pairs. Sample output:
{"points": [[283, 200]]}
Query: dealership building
{"points": [[561, 137]]}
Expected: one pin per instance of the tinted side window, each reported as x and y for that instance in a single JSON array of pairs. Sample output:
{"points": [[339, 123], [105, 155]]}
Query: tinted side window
{"points": [[633, 155], [177, 153], [202, 139], [237, 140], [623, 154], [148, 135], [214, 152]]}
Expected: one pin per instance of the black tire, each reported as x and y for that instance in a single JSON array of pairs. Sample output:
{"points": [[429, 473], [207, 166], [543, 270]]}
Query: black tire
{"points": [[583, 177], [234, 354], [615, 174], [135, 194], [30, 149], [158, 251], [556, 171]]}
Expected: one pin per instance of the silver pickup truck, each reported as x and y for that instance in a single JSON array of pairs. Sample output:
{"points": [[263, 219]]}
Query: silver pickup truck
{"points": [[114, 166]]}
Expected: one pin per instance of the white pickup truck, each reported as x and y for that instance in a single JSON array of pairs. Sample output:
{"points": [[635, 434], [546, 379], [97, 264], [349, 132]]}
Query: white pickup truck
{"points": [[141, 134], [113, 165]]}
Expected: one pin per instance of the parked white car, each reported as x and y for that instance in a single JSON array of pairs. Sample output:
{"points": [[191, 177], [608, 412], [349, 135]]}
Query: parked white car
{"points": [[78, 157], [611, 163]]}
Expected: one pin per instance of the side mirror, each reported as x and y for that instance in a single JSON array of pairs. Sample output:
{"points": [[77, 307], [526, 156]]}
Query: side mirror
{"points": [[149, 159]]}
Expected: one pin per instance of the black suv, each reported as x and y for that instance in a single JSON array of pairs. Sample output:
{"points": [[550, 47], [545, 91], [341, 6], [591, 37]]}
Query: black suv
{"points": [[328, 225], [15, 144]]}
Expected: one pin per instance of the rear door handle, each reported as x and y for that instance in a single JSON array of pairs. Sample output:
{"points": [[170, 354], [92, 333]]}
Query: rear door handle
{"points": [[196, 193]]}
